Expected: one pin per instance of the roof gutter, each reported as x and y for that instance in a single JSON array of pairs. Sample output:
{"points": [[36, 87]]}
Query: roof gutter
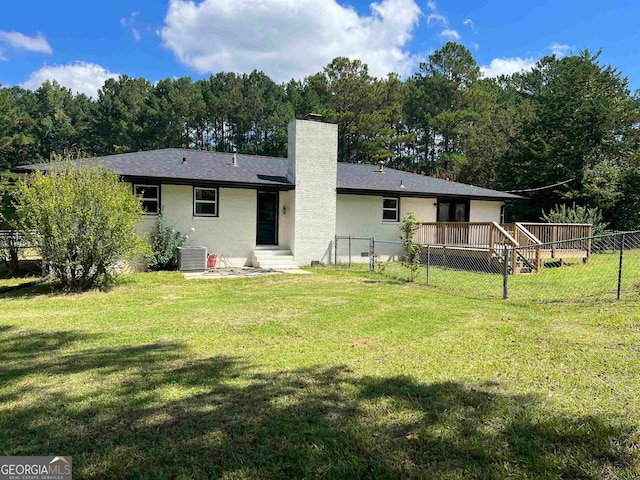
{"points": [[187, 181], [403, 193]]}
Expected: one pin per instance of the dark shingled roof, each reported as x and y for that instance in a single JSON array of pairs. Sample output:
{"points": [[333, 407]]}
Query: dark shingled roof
{"points": [[200, 166], [357, 177], [167, 165]]}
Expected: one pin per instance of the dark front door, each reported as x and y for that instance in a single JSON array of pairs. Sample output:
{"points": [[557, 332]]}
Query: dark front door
{"points": [[267, 218]]}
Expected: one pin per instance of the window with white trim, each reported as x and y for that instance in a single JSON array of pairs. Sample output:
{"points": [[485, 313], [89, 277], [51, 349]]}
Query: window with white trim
{"points": [[391, 209], [205, 202], [150, 197]]}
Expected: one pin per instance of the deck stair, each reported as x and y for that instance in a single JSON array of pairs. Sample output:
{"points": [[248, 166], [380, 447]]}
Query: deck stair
{"points": [[521, 265], [274, 259]]}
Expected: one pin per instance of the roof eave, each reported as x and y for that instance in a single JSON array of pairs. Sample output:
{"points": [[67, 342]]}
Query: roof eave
{"points": [[23, 169], [208, 183], [414, 194]]}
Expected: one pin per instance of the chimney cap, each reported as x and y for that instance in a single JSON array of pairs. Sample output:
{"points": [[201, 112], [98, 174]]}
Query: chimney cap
{"points": [[314, 117]]}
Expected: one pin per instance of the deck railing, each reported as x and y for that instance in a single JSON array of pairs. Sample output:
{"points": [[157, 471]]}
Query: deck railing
{"points": [[572, 235], [474, 234], [532, 256], [495, 237], [558, 232], [454, 233], [14, 238]]}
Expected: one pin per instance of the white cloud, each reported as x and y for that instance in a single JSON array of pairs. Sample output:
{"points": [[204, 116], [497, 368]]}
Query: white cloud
{"points": [[2, 57], [130, 22], [468, 22], [434, 15], [288, 38], [475, 46], [80, 77], [449, 35], [20, 41], [560, 50], [507, 66]]}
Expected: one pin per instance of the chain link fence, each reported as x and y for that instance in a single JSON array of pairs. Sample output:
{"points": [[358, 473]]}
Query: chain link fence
{"points": [[611, 270], [597, 268]]}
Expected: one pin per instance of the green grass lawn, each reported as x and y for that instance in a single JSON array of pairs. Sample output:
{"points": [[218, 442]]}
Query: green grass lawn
{"points": [[596, 281], [339, 374]]}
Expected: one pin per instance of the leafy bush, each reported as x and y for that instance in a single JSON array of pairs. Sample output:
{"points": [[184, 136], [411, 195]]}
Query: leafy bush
{"points": [[82, 220], [409, 227], [164, 243], [10, 244], [576, 214], [11, 249]]}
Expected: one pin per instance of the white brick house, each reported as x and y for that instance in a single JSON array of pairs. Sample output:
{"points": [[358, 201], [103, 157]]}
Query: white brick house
{"points": [[281, 211]]}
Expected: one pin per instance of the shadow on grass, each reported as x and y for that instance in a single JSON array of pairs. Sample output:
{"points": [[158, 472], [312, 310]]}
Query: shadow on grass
{"points": [[26, 269], [151, 412], [50, 288]]}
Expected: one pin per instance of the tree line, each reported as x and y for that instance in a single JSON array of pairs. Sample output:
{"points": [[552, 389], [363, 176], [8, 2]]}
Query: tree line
{"points": [[569, 121]]}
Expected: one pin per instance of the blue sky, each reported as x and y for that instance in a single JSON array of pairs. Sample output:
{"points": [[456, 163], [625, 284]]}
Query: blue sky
{"points": [[81, 43]]}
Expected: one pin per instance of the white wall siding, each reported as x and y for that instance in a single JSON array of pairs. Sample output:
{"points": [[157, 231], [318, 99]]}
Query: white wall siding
{"points": [[313, 148], [485, 211], [148, 223], [361, 216], [232, 233], [284, 219], [425, 208]]}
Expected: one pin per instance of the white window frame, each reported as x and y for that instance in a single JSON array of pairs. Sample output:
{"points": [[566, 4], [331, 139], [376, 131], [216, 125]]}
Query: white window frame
{"points": [[214, 202], [142, 199], [387, 209]]}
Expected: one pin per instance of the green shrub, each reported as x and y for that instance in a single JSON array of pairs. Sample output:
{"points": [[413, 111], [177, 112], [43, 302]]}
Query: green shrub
{"points": [[409, 227], [10, 244], [82, 220], [164, 243], [576, 214]]}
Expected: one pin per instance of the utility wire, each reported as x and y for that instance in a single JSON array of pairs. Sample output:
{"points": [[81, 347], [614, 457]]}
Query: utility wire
{"points": [[537, 189]]}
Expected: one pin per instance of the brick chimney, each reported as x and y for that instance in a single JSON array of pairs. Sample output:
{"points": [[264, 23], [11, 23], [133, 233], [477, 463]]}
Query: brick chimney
{"points": [[313, 151]]}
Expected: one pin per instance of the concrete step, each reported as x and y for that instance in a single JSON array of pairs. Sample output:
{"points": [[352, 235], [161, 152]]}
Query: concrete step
{"points": [[280, 267], [274, 259], [271, 253]]}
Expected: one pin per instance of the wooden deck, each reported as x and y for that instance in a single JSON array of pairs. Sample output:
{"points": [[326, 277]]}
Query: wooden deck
{"points": [[461, 244], [564, 253]]}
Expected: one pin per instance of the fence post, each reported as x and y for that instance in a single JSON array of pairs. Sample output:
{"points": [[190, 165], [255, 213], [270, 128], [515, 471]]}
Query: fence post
{"points": [[444, 255], [372, 254], [620, 265], [505, 273], [428, 262], [335, 250], [349, 251]]}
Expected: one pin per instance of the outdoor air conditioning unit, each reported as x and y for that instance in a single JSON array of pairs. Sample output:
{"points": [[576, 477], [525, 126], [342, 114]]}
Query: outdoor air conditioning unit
{"points": [[192, 259]]}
